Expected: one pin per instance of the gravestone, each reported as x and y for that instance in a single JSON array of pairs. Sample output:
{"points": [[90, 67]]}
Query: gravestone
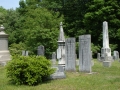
{"points": [[4, 52], [53, 58], [98, 57], [23, 53], [115, 55], [70, 54], [40, 50], [77, 63], [92, 62], [106, 49], [27, 53], [61, 47], [85, 53]]}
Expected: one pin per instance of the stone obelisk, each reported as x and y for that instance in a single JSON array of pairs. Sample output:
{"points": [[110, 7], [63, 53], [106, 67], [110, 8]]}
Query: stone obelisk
{"points": [[61, 47], [4, 52], [106, 50]]}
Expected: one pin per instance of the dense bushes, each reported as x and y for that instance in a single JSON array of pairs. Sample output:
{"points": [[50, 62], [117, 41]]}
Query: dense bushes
{"points": [[29, 70]]}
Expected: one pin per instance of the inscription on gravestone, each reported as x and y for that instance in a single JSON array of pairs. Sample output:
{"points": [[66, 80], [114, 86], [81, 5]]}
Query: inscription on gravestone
{"points": [[70, 54], [85, 53], [40, 50]]}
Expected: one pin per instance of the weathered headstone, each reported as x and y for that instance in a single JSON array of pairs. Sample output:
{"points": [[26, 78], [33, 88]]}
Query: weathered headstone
{"points": [[40, 50], [23, 53], [4, 52], [27, 53], [98, 57], [115, 55], [92, 62], [77, 62], [61, 47], [118, 55], [70, 54], [85, 53], [53, 58], [106, 49]]}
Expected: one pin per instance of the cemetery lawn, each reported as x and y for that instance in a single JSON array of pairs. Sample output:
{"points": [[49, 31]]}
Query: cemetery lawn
{"points": [[103, 78]]}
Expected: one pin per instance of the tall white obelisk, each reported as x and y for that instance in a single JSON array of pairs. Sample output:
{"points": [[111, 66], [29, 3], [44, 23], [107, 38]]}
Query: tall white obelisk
{"points": [[106, 50]]}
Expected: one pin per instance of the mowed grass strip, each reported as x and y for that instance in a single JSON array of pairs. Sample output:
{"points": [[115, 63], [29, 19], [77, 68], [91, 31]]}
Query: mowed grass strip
{"points": [[102, 78]]}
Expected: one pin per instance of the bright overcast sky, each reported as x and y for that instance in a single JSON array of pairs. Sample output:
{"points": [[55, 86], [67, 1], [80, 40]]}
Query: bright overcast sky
{"points": [[8, 4]]}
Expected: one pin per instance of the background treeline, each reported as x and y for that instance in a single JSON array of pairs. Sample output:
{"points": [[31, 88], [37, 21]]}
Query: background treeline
{"points": [[36, 22]]}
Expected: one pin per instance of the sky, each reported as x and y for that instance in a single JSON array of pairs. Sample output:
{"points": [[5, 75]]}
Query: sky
{"points": [[8, 4]]}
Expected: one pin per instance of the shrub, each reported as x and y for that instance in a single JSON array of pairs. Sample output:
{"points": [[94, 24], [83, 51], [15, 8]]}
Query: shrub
{"points": [[30, 70], [16, 49]]}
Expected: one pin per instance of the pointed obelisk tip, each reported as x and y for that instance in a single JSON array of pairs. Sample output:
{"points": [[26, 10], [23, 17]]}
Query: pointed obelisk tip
{"points": [[105, 22], [2, 28], [60, 23]]}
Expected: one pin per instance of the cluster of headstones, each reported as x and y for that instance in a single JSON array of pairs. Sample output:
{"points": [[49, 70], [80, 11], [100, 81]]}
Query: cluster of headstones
{"points": [[40, 51], [85, 56]]}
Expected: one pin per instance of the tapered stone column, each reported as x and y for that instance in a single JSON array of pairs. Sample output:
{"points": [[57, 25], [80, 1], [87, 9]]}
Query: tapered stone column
{"points": [[106, 50], [4, 52]]}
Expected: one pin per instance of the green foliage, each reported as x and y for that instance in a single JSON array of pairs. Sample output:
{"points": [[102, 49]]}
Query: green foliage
{"points": [[16, 49], [73, 11], [3, 12], [94, 49], [29, 70], [102, 78], [41, 29], [99, 11], [113, 47], [13, 26]]}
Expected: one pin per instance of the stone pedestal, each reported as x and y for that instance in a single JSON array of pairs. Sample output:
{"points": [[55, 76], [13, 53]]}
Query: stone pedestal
{"points": [[107, 63], [59, 74], [4, 52], [105, 51], [61, 47]]}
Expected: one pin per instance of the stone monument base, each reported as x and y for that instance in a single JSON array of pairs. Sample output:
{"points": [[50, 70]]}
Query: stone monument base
{"points": [[108, 58], [4, 56], [59, 74], [107, 63]]}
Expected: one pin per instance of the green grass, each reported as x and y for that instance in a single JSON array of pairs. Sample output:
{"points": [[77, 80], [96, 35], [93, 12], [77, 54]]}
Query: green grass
{"points": [[103, 78]]}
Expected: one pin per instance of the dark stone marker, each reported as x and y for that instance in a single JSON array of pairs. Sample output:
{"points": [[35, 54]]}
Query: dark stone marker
{"points": [[40, 50]]}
